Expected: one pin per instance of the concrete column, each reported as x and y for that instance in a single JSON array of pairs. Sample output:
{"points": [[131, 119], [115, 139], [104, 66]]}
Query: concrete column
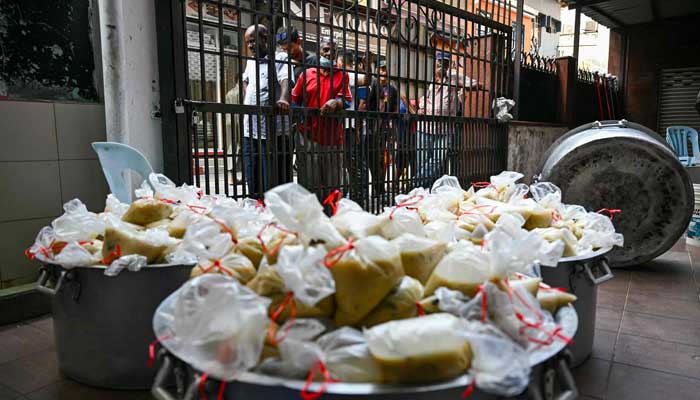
{"points": [[130, 70]]}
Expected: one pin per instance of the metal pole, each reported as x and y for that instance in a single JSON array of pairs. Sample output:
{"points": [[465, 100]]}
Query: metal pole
{"points": [[577, 30], [516, 59]]}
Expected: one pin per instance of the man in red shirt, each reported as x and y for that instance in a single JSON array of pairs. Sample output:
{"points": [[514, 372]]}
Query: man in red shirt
{"points": [[320, 138]]}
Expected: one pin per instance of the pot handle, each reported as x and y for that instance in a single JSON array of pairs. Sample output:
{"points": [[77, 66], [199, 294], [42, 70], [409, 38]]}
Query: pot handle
{"points": [[157, 390], [44, 278], [607, 273], [569, 389], [623, 123]]}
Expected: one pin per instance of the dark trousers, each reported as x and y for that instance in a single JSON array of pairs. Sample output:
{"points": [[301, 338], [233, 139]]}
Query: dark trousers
{"points": [[356, 165], [282, 170], [255, 166], [377, 146]]}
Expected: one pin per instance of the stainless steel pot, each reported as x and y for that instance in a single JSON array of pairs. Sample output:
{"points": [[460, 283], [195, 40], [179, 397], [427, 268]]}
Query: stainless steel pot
{"points": [[551, 379], [103, 325], [622, 165], [581, 276]]}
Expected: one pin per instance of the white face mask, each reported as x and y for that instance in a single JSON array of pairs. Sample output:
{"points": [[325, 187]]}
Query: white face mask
{"points": [[324, 62]]}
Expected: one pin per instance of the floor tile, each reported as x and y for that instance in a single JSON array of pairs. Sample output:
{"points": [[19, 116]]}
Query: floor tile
{"points": [[21, 340], [70, 390], [663, 306], [618, 284], [30, 373], [44, 323], [8, 394], [659, 355], [611, 300], [604, 344], [591, 377], [631, 383], [658, 286], [667, 329], [607, 320]]}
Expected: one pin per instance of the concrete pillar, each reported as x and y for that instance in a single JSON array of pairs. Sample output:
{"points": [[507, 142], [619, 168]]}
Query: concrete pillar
{"points": [[130, 71]]}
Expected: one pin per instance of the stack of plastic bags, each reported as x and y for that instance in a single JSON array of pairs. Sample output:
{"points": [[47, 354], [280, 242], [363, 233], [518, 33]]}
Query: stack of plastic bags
{"points": [[437, 286]]}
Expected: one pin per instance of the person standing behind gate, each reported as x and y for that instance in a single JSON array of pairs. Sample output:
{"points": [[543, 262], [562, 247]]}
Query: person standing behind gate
{"points": [[256, 91], [384, 98], [442, 98], [320, 140]]}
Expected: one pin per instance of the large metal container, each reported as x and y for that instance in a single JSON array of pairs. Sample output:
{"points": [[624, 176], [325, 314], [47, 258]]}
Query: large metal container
{"points": [[103, 325], [550, 379], [581, 276], [622, 165]]}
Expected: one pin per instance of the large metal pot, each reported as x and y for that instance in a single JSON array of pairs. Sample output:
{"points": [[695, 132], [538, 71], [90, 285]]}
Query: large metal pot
{"points": [[103, 325], [581, 276], [622, 165], [550, 379]]}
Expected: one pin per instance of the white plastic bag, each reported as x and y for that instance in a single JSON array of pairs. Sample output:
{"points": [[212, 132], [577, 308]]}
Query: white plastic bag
{"points": [[303, 271], [77, 223], [133, 263], [114, 206], [75, 255], [214, 324], [41, 248], [400, 220], [347, 356]]}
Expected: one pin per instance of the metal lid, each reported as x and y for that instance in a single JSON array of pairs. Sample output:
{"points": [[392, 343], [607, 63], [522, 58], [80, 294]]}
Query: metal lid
{"points": [[622, 165]]}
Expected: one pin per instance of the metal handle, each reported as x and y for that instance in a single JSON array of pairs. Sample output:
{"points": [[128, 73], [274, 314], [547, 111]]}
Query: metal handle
{"points": [[568, 385], [623, 123], [607, 273], [157, 390], [44, 277]]}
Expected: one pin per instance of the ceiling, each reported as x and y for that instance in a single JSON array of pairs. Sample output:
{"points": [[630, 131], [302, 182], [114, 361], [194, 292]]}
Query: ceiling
{"points": [[622, 13]]}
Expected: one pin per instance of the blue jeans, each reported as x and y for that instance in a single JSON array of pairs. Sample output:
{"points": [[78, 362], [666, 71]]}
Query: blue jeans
{"points": [[255, 166], [431, 156]]}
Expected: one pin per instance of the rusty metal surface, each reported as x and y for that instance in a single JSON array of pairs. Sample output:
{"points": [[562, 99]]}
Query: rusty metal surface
{"points": [[617, 164]]}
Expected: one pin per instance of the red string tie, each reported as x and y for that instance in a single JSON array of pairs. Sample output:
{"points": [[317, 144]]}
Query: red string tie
{"points": [[216, 264], [321, 367], [556, 216], [260, 204], [482, 185], [226, 229], [407, 204], [271, 252], [610, 211], [334, 256], [469, 390], [484, 303], [287, 302], [472, 211], [168, 201], [152, 349], [332, 200], [201, 210], [112, 256], [419, 307]]}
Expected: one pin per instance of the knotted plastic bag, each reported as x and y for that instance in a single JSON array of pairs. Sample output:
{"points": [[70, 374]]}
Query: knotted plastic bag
{"points": [[365, 271], [214, 324], [597, 231], [420, 350], [303, 271], [347, 356], [166, 190], [132, 262], [154, 244], [463, 269], [419, 255], [299, 210], [351, 221], [401, 219], [77, 223], [399, 304]]}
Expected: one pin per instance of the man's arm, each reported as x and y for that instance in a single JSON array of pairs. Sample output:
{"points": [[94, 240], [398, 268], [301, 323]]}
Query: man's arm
{"points": [[298, 91]]}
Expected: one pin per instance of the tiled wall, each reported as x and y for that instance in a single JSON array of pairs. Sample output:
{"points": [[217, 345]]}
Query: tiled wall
{"points": [[45, 160]]}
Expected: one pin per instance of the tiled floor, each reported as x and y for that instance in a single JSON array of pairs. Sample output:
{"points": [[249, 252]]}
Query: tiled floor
{"points": [[647, 339], [647, 342]]}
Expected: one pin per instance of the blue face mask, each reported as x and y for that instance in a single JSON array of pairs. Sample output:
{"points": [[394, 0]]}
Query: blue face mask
{"points": [[325, 63]]}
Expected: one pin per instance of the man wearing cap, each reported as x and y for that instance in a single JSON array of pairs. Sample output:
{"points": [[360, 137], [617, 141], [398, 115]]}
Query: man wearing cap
{"points": [[256, 91], [320, 140], [383, 98], [292, 48], [442, 98]]}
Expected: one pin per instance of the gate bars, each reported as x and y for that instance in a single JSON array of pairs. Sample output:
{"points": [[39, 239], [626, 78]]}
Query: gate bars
{"points": [[413, 80]]}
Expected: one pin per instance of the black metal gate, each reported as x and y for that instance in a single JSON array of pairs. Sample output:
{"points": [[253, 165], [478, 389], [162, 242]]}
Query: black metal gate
{"points": [[407, 96]]}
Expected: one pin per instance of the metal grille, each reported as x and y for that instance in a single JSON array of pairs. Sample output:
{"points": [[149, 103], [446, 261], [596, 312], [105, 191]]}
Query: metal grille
{"points": [[396, 122], [678, 91]]}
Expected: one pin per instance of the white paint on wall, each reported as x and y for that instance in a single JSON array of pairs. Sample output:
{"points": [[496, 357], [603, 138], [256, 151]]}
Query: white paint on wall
{"points": [[130, 69]]}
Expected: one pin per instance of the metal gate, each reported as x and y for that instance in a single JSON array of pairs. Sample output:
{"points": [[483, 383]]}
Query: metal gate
{"points": [[405, 99], [678, 91]]}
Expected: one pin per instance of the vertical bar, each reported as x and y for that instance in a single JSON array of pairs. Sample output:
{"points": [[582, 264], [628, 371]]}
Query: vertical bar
{"points": [[577, 30], [516, 60]]}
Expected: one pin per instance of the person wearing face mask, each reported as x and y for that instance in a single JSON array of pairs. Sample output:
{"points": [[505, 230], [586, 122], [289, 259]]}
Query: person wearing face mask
{"points": [[321, 137], [442, 98], [383, 98], [257, 92]]}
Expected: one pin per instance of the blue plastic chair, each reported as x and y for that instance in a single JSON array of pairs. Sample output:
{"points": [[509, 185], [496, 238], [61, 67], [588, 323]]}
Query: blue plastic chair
{"points": [[116, 160], [678, 137]]}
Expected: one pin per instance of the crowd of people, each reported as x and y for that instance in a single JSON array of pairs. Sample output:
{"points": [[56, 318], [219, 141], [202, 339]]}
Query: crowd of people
{"points": [[329, 149]]}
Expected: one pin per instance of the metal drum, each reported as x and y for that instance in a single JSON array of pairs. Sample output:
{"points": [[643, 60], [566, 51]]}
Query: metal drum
{"points": [[622, 165], [581, 276], [103, 325], [550, 379]]}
